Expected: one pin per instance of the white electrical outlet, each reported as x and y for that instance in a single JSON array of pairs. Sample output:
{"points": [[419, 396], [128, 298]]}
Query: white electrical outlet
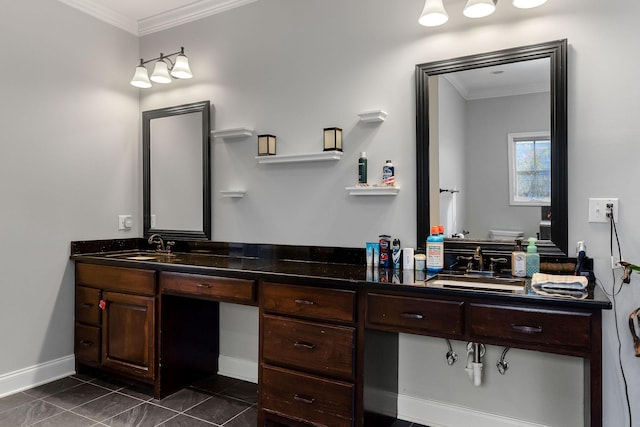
{"points": [[598, 209], [125, 222]]}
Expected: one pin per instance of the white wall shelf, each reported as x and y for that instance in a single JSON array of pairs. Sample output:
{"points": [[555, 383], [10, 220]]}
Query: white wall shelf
{"points": [[374, 116], [373, 191], [299, 158], [236, 194], [232, 133]]}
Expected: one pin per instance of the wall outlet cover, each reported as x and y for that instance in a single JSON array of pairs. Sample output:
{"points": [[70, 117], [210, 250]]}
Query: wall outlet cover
{"points": [[598, 209]]}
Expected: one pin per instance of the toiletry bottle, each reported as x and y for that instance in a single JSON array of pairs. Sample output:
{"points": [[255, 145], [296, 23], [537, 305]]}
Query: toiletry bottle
{"points": [[396, 261], [388, 174], [533, 258], [518, 260], [435, 251], [362, 168]]}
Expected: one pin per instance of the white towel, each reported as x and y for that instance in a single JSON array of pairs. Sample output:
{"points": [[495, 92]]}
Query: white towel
{"points": [[554, 281]]}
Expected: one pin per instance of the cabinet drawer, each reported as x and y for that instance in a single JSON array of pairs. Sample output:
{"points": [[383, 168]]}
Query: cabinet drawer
{"points": [[414, 315], [87, 305], [322, 349], [529, 325], [131, 280], [219, 288], [313, 302], [316, 400], [87, 343]]}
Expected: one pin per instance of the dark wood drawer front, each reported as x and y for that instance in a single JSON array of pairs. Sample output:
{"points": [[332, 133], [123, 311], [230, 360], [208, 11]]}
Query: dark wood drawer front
{"points": [[323, 349], [219, 288], [414, 315], [312, 302], [130, 280], [319, 401], [87, 343], [530, 325], [87, 305]]}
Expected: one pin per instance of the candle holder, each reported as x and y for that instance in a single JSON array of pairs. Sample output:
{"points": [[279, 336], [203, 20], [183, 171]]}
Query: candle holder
{"points": [[266, 145], [332, 139]]}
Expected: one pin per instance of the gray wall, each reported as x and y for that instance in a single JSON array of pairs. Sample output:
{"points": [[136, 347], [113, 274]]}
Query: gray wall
{"points": [[70, 158], [69, 164]]}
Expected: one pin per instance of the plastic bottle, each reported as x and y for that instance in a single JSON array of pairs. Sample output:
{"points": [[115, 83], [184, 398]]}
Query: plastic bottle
{"points": [[388, 174], [518, 260], [533, 258], [362, 168], [435, 251]]}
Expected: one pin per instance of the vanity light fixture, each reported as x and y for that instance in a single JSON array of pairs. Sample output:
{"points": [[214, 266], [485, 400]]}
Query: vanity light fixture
{"points": [[332, 139], [479, 8], [434, 13], [163, 70], [266, 145]]}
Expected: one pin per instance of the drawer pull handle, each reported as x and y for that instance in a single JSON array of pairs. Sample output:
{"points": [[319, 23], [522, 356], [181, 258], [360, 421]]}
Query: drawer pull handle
{"points": [[304, 302], [86, 343], [86, 305], [412, 316], [303, 399], [203, 286], [304, 345], [527, 329]]}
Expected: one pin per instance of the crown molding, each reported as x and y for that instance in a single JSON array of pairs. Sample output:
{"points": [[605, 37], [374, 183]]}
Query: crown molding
{"points": [[188, 13], [162, 21], [104, 14]]}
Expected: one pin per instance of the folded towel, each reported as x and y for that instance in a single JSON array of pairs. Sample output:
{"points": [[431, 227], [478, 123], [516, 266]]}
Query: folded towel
{"points": [[555, 281], [563, 293]]}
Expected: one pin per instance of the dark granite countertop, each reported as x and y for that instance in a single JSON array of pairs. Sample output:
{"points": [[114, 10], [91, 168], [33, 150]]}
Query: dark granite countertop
{"points": [[301, 264]]}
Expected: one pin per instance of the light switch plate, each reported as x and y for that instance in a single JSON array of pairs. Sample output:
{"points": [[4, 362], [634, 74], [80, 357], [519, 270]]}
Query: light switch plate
{"points": [[125, 222], [598, 209]]}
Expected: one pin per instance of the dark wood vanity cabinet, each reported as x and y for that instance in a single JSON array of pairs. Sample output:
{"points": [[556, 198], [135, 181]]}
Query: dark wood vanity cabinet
{"points": [[307, 372], [116, 319]]}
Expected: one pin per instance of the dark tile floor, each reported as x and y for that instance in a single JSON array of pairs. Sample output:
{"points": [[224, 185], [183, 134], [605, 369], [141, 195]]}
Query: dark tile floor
{"points": [[79, 401], [82, 401]]}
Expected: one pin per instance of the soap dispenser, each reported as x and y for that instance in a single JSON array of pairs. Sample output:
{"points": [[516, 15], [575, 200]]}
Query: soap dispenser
{"points": [[533, 258], [518, 261]]}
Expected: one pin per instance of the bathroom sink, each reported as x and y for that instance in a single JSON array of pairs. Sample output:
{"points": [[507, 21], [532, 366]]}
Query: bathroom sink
{"points": [[478, 283], [144, 256]]}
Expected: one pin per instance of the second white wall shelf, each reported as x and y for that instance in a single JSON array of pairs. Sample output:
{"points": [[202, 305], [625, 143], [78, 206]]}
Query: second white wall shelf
{"points": [[374, 116], [232, 133], [236, 194], [299, 158]]}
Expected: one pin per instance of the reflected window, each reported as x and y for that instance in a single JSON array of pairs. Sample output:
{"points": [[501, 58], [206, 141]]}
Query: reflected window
{"points": [[529, 169]]}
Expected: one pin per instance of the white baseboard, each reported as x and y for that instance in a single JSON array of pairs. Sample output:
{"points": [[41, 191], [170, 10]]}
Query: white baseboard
{"points": [[26, 378], [439, 414], [241, 369]]}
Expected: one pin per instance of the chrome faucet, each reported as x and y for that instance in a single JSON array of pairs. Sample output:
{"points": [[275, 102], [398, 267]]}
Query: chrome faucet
{"points": [[160, 245]]}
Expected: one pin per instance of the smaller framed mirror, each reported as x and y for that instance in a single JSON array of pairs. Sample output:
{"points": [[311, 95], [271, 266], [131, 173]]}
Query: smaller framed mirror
{"points": [[177, 171]]}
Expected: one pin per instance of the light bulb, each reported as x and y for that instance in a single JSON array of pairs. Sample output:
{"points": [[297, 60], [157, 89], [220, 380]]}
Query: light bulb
{"points": [[433, 14], [141, 78], [161, 73]]}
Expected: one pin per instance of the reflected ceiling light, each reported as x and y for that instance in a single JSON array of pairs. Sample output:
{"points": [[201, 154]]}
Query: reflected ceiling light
{"points": [[433, 14], [479, 8], [528, 4], [163, 70]]}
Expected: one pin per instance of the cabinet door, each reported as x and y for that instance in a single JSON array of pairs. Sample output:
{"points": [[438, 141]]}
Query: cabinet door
{"points": [[128, 326]]}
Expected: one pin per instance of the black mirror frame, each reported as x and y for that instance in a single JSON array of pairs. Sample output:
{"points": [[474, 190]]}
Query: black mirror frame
{"points": [[556, 51], [203, 107]]}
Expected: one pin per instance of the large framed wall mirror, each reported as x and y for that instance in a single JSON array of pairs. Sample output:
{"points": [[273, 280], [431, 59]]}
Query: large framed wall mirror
{"points": [[491, 147], [176, 171]]}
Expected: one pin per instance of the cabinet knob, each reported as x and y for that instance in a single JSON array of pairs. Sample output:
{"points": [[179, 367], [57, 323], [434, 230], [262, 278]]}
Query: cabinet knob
{"points": [[304, 302], [86, 343], [203, 286]]}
